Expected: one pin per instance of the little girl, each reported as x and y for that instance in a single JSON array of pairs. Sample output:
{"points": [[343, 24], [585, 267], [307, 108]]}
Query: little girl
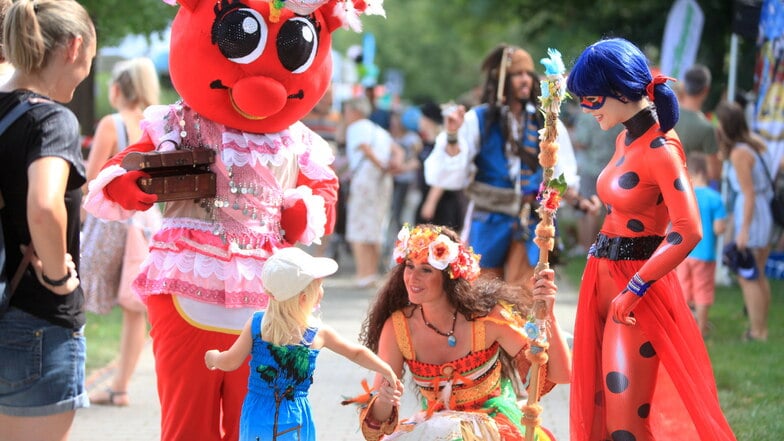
{"points": [[283, 343]]}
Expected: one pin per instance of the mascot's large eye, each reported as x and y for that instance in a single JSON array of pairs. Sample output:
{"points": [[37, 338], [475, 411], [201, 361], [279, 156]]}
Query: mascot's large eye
{"points": [[297, 44], [241, 35]]}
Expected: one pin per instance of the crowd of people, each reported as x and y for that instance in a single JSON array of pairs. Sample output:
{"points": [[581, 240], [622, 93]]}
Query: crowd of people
{"points": [[437, 205]]}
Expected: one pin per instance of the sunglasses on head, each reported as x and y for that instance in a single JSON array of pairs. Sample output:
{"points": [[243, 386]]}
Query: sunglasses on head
{"points": [[592, 102]]}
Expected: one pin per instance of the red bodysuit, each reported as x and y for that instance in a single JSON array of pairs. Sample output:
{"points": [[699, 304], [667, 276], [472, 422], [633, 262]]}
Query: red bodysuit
{"points": [[651, 380]]}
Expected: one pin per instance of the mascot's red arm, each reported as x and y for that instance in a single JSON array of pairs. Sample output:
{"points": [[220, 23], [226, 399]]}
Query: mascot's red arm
{"points": [[309, 209], [114, 193]]}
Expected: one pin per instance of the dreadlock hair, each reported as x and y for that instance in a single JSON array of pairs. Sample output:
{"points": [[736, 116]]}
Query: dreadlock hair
{"points": [[491, 66]]}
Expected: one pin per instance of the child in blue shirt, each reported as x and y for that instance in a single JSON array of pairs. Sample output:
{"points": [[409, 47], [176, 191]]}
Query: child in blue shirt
{"points": [[697, 273]]}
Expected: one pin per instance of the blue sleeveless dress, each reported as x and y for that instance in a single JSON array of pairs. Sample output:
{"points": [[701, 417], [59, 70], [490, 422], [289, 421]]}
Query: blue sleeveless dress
{"points": [[276, 406]]}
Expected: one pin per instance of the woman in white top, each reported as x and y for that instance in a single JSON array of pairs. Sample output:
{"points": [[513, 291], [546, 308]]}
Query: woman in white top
{"points": [[372, 156]]}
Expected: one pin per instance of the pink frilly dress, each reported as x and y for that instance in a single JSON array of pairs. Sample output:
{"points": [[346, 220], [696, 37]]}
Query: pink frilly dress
{"points": [[212, 250]]}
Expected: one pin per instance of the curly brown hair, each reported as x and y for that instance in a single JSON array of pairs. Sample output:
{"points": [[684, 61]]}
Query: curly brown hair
{"points": [[472, 300]]}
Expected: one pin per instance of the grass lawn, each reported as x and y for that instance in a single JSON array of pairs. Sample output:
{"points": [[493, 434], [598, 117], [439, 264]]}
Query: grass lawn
{"points": [[749, 376], [103, 338]]}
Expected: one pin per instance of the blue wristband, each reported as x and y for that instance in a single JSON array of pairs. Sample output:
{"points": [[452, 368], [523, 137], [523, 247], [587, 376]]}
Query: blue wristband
{"points": [[638, 286]]}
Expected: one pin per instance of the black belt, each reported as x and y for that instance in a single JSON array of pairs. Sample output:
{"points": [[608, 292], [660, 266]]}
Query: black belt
{"points": [[624, 248]]}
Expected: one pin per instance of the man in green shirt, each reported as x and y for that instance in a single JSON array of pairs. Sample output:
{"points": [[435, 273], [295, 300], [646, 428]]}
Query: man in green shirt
{"points": [[693, 128]]}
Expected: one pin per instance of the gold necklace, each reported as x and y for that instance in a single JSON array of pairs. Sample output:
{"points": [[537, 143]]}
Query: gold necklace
{"points": [[450, 336]]}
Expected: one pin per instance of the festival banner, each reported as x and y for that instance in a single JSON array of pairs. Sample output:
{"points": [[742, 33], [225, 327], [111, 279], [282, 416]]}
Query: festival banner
{"points": [[681, 38], [769, 80]]}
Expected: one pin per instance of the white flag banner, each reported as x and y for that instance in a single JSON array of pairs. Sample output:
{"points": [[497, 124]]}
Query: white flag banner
{"points": [[681, 38]]}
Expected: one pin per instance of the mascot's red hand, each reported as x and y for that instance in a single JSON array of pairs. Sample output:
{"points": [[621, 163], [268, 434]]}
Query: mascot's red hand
{"points": [[293, 220], [125, 191]]}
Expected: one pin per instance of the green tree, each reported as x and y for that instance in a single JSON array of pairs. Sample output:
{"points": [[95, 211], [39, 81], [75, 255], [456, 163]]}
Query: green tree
{"points": [[114, 19], [438, 45]]}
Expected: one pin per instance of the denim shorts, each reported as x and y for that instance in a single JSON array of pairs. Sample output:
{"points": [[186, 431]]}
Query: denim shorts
{"points": [[42, 367]]}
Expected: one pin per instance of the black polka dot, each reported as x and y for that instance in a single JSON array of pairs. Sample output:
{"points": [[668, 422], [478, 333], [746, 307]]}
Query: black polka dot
{"points": [[674, 238], [678, 184], [617, 382], [660, 199], [647, 351], [635, 225], [598, 399], [628, 180], [623, 435], [620, 161], [658, 142], [644, 410]]}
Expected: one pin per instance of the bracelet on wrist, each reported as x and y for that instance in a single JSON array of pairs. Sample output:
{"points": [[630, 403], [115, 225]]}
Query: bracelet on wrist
{"points": [[451, 137], [58, 282], [638, 286]]}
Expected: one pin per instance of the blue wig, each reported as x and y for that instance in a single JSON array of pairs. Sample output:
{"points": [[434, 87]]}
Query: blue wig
{"points": [[617, 68]]}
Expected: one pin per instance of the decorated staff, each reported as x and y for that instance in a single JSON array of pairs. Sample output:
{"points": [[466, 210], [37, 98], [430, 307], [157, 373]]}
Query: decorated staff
{"points": [[550, 194]]}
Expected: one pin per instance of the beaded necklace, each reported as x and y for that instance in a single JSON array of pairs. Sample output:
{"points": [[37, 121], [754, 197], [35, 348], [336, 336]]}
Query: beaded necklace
{"points": [[450, 336]]}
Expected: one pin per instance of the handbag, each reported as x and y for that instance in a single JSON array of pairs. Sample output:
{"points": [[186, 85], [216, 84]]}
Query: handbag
{"points": [[777, 203], [175, 175], [494, 199]]}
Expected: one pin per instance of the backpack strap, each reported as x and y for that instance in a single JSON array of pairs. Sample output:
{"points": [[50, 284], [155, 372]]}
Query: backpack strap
{"points": [[17, 111]]}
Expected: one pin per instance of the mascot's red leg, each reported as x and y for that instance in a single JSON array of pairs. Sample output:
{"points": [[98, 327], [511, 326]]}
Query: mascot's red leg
{"points": [[629, 368], [196, 403]]}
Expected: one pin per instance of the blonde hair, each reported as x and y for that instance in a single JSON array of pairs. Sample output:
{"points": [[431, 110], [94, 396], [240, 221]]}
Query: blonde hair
{"points": [[4, 5], [34, 29], [285, 322], [137, 81]]}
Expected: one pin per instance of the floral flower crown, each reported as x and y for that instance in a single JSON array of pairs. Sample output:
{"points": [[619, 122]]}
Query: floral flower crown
{"points": [[428, 245]]}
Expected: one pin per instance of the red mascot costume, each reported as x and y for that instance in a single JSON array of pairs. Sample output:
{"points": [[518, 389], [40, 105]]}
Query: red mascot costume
{"points": [[247, 71]]}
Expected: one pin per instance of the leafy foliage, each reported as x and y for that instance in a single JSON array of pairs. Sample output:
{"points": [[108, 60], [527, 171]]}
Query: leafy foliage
{"points": [[114, 19], [439, 45]]}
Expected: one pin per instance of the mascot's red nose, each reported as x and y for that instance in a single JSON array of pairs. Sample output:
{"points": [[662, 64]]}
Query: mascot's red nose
{"points": [[257, 97]]}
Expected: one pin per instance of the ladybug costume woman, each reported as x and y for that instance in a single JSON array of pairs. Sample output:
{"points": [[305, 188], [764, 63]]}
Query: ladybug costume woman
{"points": [[641, 370]]}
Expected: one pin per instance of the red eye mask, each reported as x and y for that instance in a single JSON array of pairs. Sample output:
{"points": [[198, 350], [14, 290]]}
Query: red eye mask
{"points": [[592, 102]]}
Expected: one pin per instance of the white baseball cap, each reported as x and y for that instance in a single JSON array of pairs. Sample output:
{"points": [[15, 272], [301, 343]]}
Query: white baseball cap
{"points": [[290, 270]]}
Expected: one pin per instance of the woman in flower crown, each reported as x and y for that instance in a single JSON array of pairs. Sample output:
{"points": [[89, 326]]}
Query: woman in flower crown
{"points": [[463, 341]]}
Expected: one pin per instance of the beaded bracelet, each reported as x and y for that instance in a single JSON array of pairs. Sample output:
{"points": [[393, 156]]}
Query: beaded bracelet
{"points": [[638, 286]]}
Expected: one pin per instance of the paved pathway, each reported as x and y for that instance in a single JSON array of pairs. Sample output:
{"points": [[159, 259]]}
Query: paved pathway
{"points": [[343, 307]]}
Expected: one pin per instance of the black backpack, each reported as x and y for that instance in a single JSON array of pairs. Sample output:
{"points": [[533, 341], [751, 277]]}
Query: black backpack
{"points": [[8, 286]]}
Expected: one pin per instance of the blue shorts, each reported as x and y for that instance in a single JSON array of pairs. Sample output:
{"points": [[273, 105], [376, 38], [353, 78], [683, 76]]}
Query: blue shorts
{"points": [[492, 233], [42, 368]]}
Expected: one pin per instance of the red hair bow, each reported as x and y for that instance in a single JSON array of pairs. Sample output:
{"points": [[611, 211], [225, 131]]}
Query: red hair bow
{"points": [[658, 79]]}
